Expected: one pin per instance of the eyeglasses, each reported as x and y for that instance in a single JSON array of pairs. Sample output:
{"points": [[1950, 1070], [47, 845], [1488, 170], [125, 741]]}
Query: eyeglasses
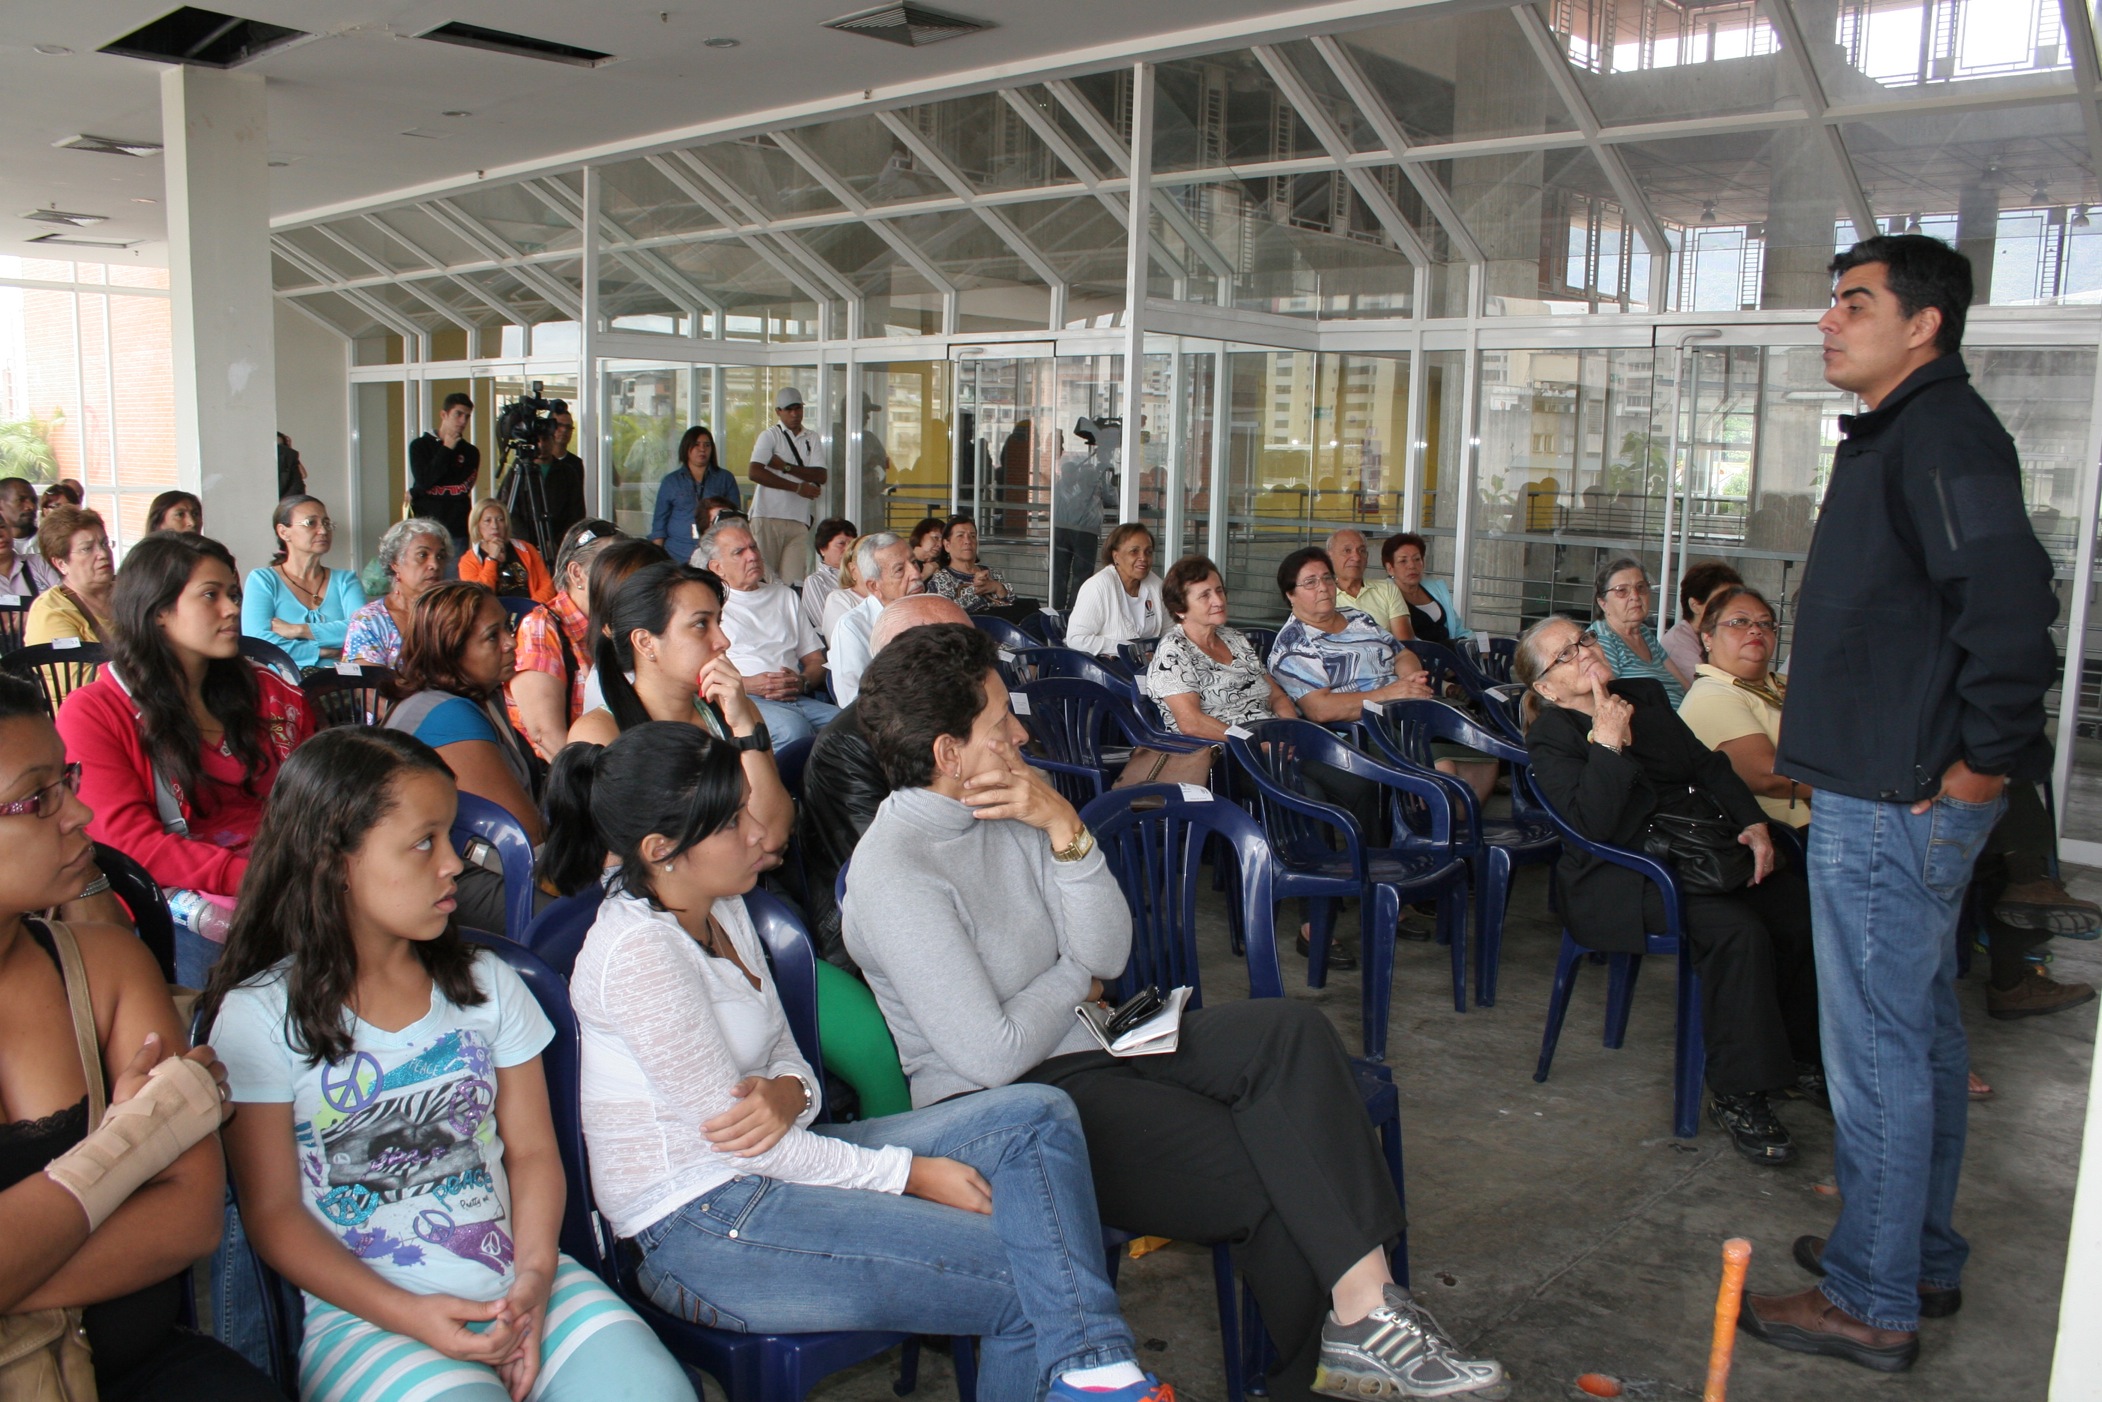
{"points": [[46, 801], [1628, 591], [1317, 581], [1584, 643], [1750, 625], [315, 523]]}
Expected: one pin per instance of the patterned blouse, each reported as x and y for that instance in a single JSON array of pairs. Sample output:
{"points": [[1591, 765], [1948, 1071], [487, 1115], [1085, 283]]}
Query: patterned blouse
{"points": [[1358, 657], [952, 584], [1231, 693], [1627, 664], [372, 640]]}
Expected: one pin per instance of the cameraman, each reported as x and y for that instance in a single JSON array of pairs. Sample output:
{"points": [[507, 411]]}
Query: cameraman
{"points": [[443, 468], [548, 496], [788, 475]]}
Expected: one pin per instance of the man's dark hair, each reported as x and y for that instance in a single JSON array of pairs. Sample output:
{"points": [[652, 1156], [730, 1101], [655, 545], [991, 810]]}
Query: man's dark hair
{"points": [[1701, 580], [1922, 272], [927, 683], [455, 401]]}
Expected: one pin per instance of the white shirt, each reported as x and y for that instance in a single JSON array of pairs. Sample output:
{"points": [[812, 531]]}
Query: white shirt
{"points": [[767, 630], [773, 503], [667, 1032], [818, 588], [1104, 615], [850, 653], [838, 605]]}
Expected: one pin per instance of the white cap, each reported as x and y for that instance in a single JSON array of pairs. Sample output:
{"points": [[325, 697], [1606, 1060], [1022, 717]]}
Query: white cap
{"points": [[787, 398]]}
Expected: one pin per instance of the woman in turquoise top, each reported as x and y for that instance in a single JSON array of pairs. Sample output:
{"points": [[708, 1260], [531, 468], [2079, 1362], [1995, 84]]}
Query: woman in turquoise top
{"points": [[295, 601], [1623, 630]]}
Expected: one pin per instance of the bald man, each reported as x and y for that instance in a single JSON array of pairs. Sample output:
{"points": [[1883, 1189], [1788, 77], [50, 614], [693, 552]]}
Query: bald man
{"points": [[842, 784], [1347, 548]]}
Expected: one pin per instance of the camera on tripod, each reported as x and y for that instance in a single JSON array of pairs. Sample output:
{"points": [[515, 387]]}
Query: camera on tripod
{"points": [[520, 424]]}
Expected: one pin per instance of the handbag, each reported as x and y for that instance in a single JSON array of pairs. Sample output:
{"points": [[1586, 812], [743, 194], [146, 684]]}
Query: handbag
{"points": [[1150, 766], [44, 1354], [1692, 833]]}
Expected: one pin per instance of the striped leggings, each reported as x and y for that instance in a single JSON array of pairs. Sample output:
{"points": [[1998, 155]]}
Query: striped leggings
{"points": [[592, 1347]]}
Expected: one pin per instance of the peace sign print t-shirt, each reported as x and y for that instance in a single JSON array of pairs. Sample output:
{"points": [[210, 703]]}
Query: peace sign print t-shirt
{"points": [[399, 1154]]}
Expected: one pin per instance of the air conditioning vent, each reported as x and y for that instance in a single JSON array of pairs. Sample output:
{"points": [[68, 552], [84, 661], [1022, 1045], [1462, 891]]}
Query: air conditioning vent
{"points": [[503, 41], [911, 25], [75, 241], [205, 38], [60, 216], [109, 146]]}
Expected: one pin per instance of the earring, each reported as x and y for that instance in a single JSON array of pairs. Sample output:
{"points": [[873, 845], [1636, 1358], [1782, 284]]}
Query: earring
{"points": [[667, 868]]}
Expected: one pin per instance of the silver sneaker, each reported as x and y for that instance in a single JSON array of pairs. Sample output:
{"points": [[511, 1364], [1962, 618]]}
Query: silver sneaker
{"points": [[1398, 1350]]}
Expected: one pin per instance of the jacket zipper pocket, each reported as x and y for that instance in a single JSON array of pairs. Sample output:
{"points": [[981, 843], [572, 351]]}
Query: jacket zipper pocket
{"points": [[1948, 525]]}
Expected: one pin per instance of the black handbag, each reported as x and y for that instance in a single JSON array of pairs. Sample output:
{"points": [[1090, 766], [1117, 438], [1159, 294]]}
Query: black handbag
{"points": [[1693, 834]]}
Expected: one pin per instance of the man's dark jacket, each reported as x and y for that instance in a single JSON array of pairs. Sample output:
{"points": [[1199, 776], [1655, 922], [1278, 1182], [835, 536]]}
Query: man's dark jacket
{"points": [[1610, 798], [1922, 634], [545, 508], [842, 788]]}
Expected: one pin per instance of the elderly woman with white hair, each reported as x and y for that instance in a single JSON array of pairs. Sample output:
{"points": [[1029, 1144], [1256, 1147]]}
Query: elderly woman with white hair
{"points": [[1611, 755], [413, 553]]}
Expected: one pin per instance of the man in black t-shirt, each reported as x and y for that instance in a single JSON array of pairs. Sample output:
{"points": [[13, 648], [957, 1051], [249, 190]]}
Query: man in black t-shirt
{"points": [[443, 469]]}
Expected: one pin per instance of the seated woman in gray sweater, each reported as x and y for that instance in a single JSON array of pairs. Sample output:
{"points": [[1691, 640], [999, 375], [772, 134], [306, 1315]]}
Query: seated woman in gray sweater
{"points": [[981, 914]]}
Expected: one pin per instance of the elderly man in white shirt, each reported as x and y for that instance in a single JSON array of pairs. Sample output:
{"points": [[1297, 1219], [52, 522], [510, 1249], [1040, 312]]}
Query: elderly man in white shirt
{"points": [[886, 560], [788, 476], [771, 644]]}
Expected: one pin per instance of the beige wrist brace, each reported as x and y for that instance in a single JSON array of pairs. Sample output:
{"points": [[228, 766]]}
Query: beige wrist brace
{"points": [[178, 1106]]}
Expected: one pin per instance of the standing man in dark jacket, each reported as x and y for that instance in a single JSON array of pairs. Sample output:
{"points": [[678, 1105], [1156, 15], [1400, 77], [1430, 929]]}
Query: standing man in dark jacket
{"points": [[547, 497], [1915, 692], [443, 470]]}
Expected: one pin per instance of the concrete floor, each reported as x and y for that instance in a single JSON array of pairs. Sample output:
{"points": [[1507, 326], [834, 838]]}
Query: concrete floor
{"points": [[1562, 1229]]}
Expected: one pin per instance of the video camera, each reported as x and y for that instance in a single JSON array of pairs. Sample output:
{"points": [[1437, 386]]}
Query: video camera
{"points": [[521, 422], [520, 426]]}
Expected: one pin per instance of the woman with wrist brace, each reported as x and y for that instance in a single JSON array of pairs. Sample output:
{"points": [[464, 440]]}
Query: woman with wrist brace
{"points": [[975, 1217], [393, 1147], [105, 1218]]}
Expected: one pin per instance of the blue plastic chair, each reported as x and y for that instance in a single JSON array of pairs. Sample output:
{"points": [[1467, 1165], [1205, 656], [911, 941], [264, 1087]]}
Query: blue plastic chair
{"points": [[1138, 653], [265, 653], [789, 760], [518, 608], [142, 896], [1451, 666], [1007, 635], [1050, 625], [349, 694], [1071, 662], [1261, 639], [1495, 664], [1495, 847], [1154, 838], [1382, 879], [557, 932], [1689, 1053], [1503, 704], [478, 818]]}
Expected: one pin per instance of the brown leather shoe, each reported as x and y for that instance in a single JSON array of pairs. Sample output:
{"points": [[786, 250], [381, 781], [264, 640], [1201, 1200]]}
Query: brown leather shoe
{"points": [[1934, 1304], [1810, 1323], [2036, 995], [2043, 904]]}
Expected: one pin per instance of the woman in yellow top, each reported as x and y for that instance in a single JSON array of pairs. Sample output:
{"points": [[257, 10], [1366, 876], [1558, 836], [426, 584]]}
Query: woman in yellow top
{"points": [[1734, 704], [76, 547]]}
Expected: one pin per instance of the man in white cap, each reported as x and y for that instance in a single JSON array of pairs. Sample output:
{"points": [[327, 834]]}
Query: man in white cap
{"points": [[788, 475]]}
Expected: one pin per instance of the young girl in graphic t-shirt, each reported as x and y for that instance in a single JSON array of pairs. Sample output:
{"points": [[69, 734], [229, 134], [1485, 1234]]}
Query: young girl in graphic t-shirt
{"points": [[395, 1157]]}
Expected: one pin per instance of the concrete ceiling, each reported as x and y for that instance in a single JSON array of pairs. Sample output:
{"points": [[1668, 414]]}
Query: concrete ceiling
{"points": [[357, 112]]}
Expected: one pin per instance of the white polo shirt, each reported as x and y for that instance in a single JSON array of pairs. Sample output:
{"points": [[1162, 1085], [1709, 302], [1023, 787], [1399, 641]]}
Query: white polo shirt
{"points": [[773, 503], [767, 630]]}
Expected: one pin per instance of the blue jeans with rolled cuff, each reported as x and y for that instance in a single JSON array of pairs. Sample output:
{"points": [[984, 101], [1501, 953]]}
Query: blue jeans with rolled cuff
{"points": [[761, 1256], [1886, 889]]}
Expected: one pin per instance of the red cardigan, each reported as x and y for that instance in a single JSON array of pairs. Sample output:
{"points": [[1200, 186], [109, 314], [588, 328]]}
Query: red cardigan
{"points": [[482, 570], [101, 731]]}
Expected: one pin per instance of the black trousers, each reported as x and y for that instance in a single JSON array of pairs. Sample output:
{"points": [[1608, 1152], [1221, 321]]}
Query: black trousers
{"points": [[2018, 851], [1251, 1132], [1752, 949], [185, 1367], [1072, 561]]}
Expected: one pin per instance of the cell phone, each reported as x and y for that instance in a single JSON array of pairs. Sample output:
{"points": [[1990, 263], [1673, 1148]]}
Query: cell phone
{"points": [[1133, 1011]]}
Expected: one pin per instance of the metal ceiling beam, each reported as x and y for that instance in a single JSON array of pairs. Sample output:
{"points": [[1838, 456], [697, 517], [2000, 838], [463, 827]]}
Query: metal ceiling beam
{"points": [[1294, 91], [2073, 17], [410, 286], [472, 232], [379, 311], [1789, 35], [839, 190], [504, 309], [1103, 135], [642, 262], [682, 174], [1429, 188]]}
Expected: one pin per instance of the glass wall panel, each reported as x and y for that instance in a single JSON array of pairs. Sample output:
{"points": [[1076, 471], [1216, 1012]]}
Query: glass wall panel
{"points": [[1539, 216], [997, 290], [522, 218], [1223, 110], [988, 143], [905, 443], [643, 202], [767, 177], [1449, 77], [648, 409], [748, 408], [1085, 242], [1890, 50]]}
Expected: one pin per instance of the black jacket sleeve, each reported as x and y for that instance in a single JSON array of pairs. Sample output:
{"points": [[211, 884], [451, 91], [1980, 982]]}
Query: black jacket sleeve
{"points": [[1962, 491], [424, 467], [842, 789]]}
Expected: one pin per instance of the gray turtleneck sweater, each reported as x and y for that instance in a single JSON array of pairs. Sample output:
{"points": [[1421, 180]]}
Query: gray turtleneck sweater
{"points": [[975, 942]]}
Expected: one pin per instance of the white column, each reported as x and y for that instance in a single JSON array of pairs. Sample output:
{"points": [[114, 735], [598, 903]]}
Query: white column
{"points": [[590, 408], [216, 132], [1136, 253]]}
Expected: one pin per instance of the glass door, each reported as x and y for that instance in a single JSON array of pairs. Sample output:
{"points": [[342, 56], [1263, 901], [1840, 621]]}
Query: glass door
{"points": [[1008, 441]]}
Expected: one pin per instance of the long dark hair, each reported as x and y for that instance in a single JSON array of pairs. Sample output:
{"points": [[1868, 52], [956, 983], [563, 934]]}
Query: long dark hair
{"points": [[610, 569], [157, 510], [662, 777], [644, 603], [155, 573], [334, 789]]}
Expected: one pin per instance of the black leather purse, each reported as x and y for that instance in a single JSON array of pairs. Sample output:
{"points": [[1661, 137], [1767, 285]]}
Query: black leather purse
{"points": [[1691, 832]]}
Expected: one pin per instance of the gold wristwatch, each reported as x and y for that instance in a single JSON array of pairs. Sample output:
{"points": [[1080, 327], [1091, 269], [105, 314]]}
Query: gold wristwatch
{"points": [[1079, 847]]}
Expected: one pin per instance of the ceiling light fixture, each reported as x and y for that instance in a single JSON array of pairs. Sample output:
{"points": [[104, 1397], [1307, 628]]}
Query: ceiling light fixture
{"points": [[721, 41], [2040, 194], [53, 50], [108, 146], [457, 112], [1707, 211], [504, 41], [2080, 217], [1912, 225], [74, 241], [144, 199], [52, 214]]}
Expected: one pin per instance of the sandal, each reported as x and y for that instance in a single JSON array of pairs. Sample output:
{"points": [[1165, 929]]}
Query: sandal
{"points": [[1978, 1088]]}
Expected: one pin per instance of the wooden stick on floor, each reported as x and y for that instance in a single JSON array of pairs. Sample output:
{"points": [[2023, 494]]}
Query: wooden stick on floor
{"points": [[1736, 1258]]}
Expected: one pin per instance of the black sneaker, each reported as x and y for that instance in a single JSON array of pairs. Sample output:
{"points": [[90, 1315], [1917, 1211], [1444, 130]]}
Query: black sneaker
{"points": [[1753, 1130], [1810, 1085], [1341, 957], [1398, 1350]]}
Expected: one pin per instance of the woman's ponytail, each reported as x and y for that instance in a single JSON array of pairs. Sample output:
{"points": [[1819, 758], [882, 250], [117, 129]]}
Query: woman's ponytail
{"points": [[575, 852]]}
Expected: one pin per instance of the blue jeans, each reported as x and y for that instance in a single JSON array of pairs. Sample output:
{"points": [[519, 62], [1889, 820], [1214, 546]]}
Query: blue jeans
{"points": [[765, 1257], [1886, 891], [795, 720]]}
